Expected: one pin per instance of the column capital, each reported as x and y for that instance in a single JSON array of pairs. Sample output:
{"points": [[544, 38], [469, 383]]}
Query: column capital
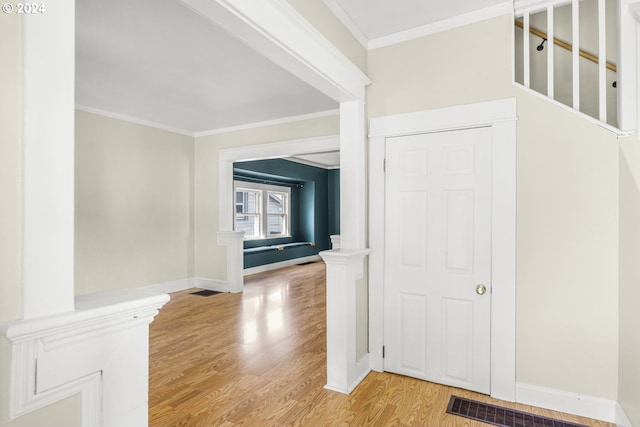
{"points": [[344, 256]]}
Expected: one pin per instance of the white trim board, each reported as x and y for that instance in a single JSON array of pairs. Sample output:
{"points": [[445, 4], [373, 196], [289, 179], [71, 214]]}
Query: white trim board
{"points": [[568, 402], [280, 264], [500, 115], [278, 31], [603, 125]]}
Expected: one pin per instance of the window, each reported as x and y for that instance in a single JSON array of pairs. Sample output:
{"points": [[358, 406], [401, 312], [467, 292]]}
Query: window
{"points": [[262, 211]]}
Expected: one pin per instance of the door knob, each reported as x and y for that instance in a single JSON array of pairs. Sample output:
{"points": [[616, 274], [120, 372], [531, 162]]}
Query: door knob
{"points": [[481, 289]]}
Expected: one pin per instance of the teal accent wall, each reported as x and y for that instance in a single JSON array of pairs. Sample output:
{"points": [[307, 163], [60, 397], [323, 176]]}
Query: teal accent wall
{"points": [[334, 201], [313, 216]]}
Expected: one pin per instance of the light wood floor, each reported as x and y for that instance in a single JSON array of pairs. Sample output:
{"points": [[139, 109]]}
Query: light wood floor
{"points": [[258, 359]]}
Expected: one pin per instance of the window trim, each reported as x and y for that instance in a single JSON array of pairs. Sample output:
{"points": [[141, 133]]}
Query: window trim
{"points": [[263, 215]]}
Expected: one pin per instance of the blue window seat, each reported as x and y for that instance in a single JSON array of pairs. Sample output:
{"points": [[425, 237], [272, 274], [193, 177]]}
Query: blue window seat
{"points": [[281, 247]]}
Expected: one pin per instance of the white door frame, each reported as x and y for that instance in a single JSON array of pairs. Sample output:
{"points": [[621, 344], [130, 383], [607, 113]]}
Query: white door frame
{"points": [[272, 27], [276, 30], [226, 157], [500, 115]]}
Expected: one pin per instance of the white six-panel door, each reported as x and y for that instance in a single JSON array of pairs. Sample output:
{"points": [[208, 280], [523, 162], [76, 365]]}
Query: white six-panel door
{"points": [[437, 321]]}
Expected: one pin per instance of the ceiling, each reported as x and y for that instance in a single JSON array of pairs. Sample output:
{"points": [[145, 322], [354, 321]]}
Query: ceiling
{"points": [[379, 18], [157, 62]]}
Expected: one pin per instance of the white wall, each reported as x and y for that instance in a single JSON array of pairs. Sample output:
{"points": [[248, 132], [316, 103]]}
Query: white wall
{"points": [[134, 205], [567, 207], [210, 259]]}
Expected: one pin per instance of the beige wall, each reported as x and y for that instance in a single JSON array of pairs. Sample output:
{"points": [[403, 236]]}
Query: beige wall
{"points": [[66, 413], [210, 259], [134, 204], [566, 201], [629, 371], [319, 15]]}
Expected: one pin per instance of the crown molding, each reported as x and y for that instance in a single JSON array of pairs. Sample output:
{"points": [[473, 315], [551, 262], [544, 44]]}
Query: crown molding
{"points": [[132, 119], [311, 163], [283, 120], [444, 25]]}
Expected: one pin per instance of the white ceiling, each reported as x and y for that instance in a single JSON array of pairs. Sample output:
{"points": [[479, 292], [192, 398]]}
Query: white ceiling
{"points": [[158, 62], [379, 18]]}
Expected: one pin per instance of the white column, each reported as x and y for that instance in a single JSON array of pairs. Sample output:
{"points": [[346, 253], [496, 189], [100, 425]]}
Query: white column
{"points": [[48, 160], [345, 266], [233, 240], [352, 175], [344, 269]]}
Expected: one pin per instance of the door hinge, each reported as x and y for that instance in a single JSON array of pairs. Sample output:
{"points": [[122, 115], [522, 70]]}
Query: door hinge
{"points": [[383, 352], [384, 165]]}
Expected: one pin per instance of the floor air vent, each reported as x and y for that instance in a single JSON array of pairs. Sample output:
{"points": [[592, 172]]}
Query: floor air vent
{"points": [[499, 416], [205, 293]]}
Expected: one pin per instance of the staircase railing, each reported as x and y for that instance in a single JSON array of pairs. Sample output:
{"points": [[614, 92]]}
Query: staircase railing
{"points": [[566, 46], [613, 99]]}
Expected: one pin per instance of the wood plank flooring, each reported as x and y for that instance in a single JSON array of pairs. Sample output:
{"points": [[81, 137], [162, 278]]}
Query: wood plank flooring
{"points": [[258, 359]]}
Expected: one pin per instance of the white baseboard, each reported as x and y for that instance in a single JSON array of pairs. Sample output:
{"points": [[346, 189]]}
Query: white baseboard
{"points": [[210, 284], [362, 369], [183, 284], [621, 417], [564, 401], [281, 264]]}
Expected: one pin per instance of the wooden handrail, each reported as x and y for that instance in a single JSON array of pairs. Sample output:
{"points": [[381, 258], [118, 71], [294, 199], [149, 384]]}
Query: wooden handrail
{"points": [[566, 46]]}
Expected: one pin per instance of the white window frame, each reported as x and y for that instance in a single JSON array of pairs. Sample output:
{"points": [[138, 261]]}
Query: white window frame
{"points": [[263, 215]]}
